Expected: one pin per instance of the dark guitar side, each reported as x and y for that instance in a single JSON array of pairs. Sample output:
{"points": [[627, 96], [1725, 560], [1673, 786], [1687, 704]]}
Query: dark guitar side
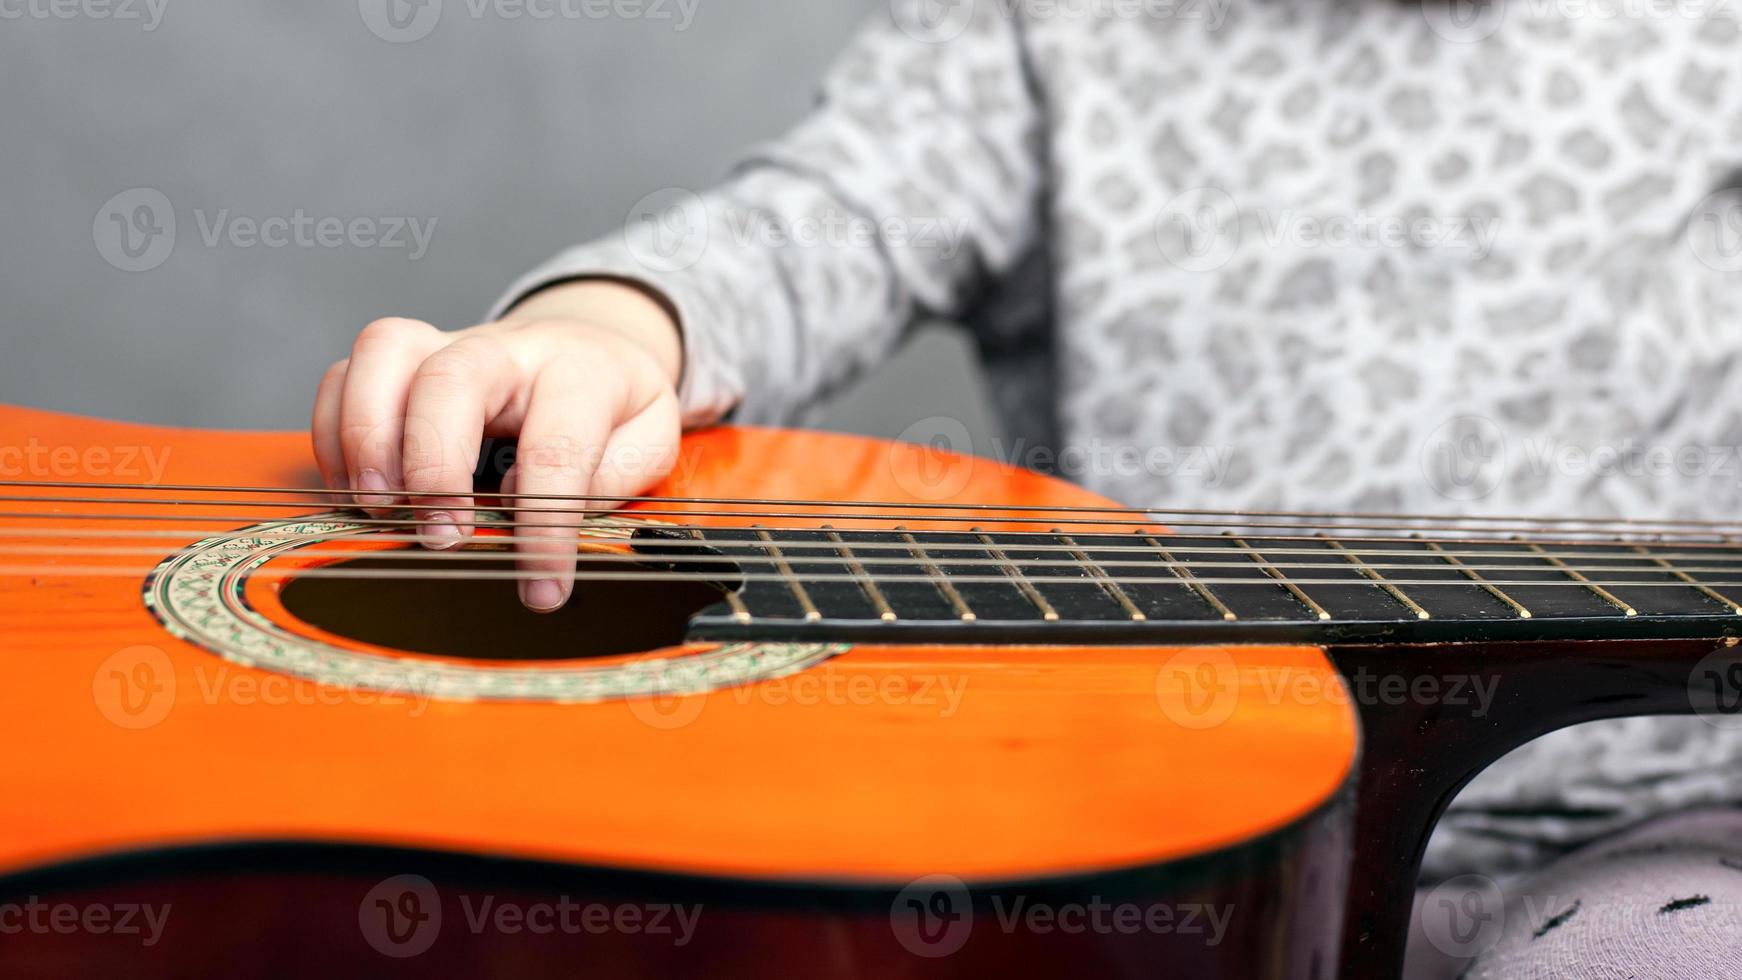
{"points": [[1268, 908]]}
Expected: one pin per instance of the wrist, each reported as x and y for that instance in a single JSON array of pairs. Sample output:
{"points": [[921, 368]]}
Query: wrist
{"points": [[636, 311]]}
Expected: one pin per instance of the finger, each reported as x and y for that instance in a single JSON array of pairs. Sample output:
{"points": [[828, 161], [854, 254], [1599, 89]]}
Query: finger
{"points": [[641, 452], [567, 424], [453, 395], [372, 409], [324, 427]]}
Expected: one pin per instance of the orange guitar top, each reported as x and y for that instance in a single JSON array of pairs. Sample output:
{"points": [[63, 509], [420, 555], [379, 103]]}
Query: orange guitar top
{"points": [[885, 762]]}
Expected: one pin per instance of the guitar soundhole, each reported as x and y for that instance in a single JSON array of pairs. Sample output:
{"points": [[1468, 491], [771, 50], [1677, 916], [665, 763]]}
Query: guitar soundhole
{"points": [[484, 620]]}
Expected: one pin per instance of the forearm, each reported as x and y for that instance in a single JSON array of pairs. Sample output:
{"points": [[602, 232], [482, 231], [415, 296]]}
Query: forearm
{"points": [[907, 194], [620, 307]]}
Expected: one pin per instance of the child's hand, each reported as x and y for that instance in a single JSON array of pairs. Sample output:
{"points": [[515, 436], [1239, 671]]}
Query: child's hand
{"points": [[582, 373]]}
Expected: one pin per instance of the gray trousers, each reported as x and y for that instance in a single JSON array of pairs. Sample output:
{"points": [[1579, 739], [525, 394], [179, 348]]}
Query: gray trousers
{"points": [[1662, 900]]}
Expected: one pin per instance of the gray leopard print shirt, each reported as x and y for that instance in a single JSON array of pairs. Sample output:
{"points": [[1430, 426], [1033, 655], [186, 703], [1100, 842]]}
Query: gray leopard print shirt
{"points": [[1325, 254]]}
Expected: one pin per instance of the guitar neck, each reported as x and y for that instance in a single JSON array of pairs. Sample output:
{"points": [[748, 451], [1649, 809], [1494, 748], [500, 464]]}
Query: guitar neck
{"points": [[999, 587]]}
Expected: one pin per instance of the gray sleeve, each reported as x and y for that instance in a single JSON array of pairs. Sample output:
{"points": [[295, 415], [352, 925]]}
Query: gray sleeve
{"points": [[911, 188]]}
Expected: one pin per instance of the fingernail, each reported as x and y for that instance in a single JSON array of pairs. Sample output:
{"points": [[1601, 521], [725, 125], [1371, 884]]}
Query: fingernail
{"points": [[544, 595], [373, 486], [440, 531]]}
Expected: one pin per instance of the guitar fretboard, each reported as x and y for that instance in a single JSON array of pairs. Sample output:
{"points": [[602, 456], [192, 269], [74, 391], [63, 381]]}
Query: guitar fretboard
{"points": [[989, 586]]}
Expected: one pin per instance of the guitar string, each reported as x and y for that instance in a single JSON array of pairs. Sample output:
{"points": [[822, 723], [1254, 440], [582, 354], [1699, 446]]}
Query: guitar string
{"points": [[267, 571], [1504, 547], [1146, 514], [1431, 559], [1395, 523], [1099, 543]]}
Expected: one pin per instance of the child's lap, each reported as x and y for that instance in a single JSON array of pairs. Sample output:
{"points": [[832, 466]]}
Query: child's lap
{"points": [[1661, 900]]}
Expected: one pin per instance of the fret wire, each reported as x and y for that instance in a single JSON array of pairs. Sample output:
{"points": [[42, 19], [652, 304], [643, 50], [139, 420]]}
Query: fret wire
{"points": [[798, 590], [1101, 577], [940, 579], [1579, 577], [1282, 580], [872, 592], [1378, 579], [740, 612], [1047, 612], [1475, 577], [1185, 575], [1703, 589]]}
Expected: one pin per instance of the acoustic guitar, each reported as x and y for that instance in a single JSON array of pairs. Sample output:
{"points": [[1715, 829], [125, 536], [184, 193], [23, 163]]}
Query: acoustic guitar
{"points": [[821, 705]]}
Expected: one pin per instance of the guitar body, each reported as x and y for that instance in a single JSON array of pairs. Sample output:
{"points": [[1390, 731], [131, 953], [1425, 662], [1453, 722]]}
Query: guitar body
{"points": [[855, 809]]}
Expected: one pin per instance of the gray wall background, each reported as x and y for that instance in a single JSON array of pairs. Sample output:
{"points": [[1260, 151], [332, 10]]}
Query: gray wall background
{"points": [[515, 135]]}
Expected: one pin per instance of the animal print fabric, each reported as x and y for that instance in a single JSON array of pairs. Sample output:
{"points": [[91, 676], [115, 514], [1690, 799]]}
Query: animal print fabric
{"points": [[1300, 254], [1662, 900]]}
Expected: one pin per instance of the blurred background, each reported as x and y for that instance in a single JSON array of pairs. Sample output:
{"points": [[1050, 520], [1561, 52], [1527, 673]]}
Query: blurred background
{"points": [[146, 139]]}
